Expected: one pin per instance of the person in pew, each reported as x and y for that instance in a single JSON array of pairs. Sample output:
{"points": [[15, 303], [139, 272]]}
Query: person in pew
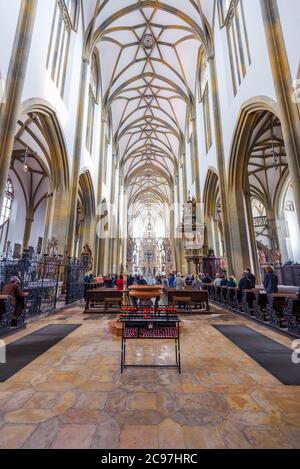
{"points": [[232, 282], [108, 283], [197, 284], [14, 290], [245, 283], [218, 281], [251, 277], [89, 277], [270, 280], [164, 281], [224, 281], [143, 281]]}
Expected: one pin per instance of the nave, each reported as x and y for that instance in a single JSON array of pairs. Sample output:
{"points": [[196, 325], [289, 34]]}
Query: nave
{"points": [[73, 396]]}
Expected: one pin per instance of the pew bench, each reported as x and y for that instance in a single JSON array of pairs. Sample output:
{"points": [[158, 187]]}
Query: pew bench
{"points": [[95, 299], [292, 313]]}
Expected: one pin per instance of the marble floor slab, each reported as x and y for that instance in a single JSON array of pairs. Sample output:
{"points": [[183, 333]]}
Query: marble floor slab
{"points": [[73, 396]]}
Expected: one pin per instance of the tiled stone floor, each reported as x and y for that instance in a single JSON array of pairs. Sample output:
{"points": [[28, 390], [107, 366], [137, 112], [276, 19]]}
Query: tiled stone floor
{"points": [[73, 396]]}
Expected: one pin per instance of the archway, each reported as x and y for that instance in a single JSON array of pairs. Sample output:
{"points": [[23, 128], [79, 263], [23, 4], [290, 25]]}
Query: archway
{"points": [[258, 169], [213, 214], [86, 215], [40, 179]]}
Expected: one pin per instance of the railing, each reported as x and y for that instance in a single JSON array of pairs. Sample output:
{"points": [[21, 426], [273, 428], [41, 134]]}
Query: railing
{"points": [[46, 280], [281, 311]]}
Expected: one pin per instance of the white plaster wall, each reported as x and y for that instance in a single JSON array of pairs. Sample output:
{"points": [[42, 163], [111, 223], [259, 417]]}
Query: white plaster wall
{"points": [[38, 82], [258, 81], [289, 11], [9, 14]]}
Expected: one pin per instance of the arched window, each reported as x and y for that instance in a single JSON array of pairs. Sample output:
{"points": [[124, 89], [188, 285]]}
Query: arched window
{"points": [[71, 6], [233, 20], [93, 99], [64, 22], [6, 212]]}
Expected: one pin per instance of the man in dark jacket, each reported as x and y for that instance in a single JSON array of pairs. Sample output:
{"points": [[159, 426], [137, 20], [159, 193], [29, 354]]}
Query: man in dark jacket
{"points": [[270, 281], [251, 277], [245, 283]]}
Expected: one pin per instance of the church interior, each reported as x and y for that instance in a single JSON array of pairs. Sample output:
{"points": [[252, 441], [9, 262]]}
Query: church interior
{"points": [[149, 197]]}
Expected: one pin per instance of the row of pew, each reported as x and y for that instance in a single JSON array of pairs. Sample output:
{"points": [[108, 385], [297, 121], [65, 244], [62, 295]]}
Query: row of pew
{"points": [[279, 309]]}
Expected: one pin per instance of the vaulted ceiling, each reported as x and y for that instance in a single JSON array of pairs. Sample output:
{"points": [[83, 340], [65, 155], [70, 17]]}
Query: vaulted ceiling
{"points": [[149, 53]]}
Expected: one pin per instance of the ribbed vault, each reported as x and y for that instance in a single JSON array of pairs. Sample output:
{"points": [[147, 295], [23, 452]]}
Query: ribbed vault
{"points": [[149, 54]]}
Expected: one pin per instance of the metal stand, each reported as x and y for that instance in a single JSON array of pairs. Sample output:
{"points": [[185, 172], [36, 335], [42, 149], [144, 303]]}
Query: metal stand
{"points": [[154, 328]]}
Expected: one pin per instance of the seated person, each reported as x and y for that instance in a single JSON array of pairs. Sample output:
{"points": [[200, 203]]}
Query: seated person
{"points": [[270, 280], [224, 281], [218, 281], [232, 282], [143, 281], [206, 279], [108, 283], [89, 277], [13, 289]]}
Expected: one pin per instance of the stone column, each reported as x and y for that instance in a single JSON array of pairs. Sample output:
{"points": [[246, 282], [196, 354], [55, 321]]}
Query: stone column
{"points": [[196, 159], [98, 241], [14, 87], [79, 140], [289, 115], [221, 164]]}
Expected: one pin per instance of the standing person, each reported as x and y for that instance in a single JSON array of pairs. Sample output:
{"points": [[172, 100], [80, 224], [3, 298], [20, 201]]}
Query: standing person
{"points": [[120, 283], [245, 282], [251, 277], [179, 283], [197, 284], [171, 281], [270, 280], [14, 290]]}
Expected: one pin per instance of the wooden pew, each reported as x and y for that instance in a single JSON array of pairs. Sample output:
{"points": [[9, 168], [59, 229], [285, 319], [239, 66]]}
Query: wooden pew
{"points": [[6, 313], [198, 297], [95, 299], [277, 303], [292, 313], [261, 305]]}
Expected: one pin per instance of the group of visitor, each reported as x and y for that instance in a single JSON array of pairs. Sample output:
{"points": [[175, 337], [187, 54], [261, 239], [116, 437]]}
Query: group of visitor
{"points": [[196, 282]]}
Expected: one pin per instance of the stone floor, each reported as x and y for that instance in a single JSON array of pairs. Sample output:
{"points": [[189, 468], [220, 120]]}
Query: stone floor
{"points": [[73, 396]]}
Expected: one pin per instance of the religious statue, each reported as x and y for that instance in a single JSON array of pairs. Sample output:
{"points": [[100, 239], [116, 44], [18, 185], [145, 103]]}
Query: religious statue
{"points": [[169, 255], [277, 257], [222, 263], [262, 256], [87, 257], [52, 247], [211, 253]]}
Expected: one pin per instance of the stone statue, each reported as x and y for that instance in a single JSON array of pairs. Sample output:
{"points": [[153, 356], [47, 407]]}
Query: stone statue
{"points": [[277, 256], [52, 247], [169, 255], [87, 257], [262, 256]]}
